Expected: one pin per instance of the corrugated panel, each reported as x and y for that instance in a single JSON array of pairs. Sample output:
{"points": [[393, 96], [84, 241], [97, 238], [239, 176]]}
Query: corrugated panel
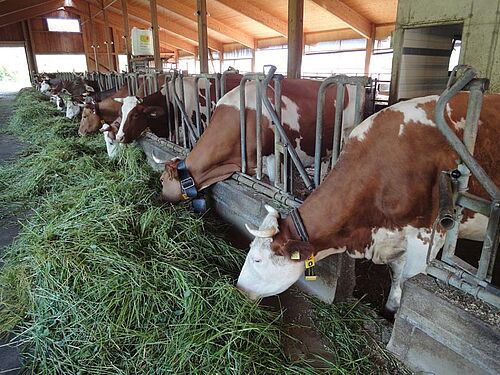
{"points": [[424, 62]]}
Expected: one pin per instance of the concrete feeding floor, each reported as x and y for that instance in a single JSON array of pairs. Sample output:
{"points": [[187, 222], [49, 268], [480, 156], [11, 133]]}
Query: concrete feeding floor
{"points": [[9, 228]]}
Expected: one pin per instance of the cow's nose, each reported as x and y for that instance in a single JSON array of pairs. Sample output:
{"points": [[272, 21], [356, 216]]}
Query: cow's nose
{"points": [[161, 180]]}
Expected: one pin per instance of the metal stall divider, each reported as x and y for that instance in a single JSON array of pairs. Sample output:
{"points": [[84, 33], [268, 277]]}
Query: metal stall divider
{"points": [[341, 82], [186, 124], [132, 81], [208, 100], [451, 269], [150, 83], [262, 81]]}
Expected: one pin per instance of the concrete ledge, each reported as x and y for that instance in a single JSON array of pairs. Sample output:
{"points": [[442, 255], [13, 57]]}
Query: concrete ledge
{"points": [[238, 205], [434, 332]]}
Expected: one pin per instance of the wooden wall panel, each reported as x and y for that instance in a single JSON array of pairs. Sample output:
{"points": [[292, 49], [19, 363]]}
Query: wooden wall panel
{"points": [[49, 42], [12, 33]]}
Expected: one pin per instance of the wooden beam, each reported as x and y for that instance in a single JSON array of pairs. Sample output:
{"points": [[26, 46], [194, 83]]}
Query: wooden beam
{"points": [[201, 11], [126, 33], [28, 45], [34, 11], [94, 45], [173, 27], [156, 37], [257, 14], [13, 6], [353, 19], [370, 43], [295, 37], [108, 39], [189, 13], [166, 40]]}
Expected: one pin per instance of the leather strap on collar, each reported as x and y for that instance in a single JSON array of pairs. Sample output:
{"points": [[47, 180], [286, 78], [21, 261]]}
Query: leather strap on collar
{"points": [[188, 186], [189, 190], [299, 225]]}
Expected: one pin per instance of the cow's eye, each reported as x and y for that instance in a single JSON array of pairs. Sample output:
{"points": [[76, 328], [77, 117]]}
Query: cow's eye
{"points": [[257, 260]]}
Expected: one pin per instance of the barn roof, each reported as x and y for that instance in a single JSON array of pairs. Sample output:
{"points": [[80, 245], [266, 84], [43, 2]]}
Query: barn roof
{"points": [[245, 23]]}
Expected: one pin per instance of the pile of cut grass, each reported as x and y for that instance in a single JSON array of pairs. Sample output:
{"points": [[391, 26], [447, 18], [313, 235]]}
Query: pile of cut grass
{"points": [[104, 280]]}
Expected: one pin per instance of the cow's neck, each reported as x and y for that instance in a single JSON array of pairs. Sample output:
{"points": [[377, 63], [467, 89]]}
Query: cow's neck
{"points": [[330, 214]]}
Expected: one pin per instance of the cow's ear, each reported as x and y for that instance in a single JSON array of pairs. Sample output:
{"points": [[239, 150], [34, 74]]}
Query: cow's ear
{"points": [[297, 250], [154, 111]]}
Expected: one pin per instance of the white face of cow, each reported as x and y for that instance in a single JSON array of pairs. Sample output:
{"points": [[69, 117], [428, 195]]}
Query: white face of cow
{"points": [[265, 273], [44, 87], [128, 104], [72, 109]]}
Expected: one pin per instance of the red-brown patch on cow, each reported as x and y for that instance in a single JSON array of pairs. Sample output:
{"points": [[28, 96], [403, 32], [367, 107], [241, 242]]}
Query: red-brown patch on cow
{"points": [[391, 181]]}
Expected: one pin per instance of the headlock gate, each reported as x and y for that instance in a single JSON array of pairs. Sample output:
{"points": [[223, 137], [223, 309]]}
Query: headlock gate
{"points": [[454, 196]]}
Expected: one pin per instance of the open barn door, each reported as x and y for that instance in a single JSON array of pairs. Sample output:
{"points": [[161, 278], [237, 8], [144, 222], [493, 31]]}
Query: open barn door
{"points": [[426, 56], [14, 72]]}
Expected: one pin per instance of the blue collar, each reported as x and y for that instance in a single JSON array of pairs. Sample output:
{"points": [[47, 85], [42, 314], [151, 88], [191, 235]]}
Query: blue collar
{"points": [[189, 190]]}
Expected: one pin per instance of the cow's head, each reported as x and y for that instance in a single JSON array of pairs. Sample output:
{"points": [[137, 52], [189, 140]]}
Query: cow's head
{"points": [[91, 121], [135, 118], [170, 184], [72, 108], [268, 268], [109, 132], [45, 86]]}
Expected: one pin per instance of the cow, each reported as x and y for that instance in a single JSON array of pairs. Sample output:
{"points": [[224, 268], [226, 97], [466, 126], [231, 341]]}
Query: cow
{"points": [[95, 114], [380, 200], [109, 132], [136, 117], [217, 154]]}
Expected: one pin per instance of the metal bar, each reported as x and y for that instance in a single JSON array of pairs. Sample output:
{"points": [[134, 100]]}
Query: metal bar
{"points": [[446, 202], [243, 124], [258, 126], [440, 271], [337, 129], [197, 106], [208, 101], [490, 244], [455, 142], [277, 141], [476, 204], [170, 125]]}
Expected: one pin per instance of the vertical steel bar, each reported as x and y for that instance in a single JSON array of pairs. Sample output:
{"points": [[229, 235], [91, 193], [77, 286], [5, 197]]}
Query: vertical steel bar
{"points": [[277, 140], [490, 244], [320, 105], [208, 100], [197, 105], [258, 126], [337, 130], [243, 126], [358, 110]]}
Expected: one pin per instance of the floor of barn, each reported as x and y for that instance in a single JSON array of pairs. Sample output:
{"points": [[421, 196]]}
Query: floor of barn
{"points": [[9, 148]]}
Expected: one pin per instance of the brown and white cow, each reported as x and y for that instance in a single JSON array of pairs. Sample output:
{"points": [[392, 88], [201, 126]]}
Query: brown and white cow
{"points": [[136, 116], [380, 200], [217, 154], [96, 113]]}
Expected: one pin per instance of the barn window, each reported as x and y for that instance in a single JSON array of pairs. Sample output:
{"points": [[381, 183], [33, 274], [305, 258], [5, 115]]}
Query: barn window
{"points": [[69, 25]]}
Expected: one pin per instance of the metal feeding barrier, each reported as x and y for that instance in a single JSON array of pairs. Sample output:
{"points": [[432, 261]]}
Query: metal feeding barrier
{"points": [[343, 84], [454, 196], [285, 156]]}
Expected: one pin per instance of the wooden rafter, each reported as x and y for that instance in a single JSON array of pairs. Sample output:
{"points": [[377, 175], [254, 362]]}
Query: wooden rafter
{"points": [[116, 20], [26, 13], [353, 19], [255, 13], [189, 13], [171, 26], [13, 6]]}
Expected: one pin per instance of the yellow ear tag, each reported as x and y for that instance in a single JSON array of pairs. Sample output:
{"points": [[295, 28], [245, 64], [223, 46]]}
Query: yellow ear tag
{"points": [[309, 273], [295, 255]]}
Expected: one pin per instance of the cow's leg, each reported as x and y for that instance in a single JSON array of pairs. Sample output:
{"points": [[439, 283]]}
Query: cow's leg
{"points": [[394, 299], [412, 262]]}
